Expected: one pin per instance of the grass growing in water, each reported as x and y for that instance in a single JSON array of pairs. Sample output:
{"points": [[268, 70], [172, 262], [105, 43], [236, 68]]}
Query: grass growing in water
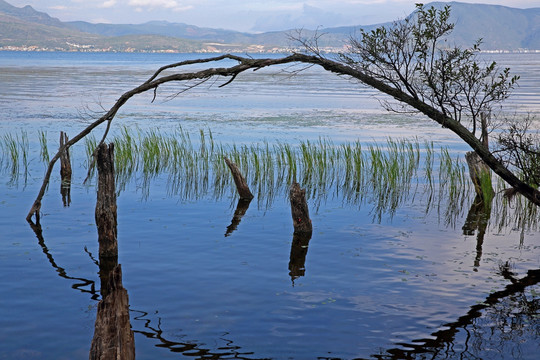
{"points": [[382, 174], [386, 175], [14, 157]]}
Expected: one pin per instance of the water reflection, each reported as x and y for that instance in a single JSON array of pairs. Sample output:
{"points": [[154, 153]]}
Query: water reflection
{"points": [[239, 212], [226, 349], [477, 221], [113, 337], [83, 285], [113, 314], [297, 260], [505, 319], [65, 191]]}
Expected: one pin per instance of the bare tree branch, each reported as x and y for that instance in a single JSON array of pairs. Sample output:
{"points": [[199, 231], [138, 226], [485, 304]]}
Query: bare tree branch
{"points": [[335, 67]]}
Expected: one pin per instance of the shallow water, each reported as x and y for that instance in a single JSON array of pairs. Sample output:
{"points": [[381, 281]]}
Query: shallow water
{"points": [[368, 288]]}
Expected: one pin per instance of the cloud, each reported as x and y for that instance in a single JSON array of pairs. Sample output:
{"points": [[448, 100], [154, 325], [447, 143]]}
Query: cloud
{"points": [[108, 4], [168, 4]]}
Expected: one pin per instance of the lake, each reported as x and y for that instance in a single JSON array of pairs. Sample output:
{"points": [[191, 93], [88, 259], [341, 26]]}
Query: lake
{"points": [[415, 273]]}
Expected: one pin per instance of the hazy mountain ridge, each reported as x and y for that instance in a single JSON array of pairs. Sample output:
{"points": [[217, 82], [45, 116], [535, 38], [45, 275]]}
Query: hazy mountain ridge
{"points": [[27, 13], [500, 27]]}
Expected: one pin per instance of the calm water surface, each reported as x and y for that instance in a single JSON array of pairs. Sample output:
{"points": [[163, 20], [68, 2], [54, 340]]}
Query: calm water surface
{"points": [[411, 283]]}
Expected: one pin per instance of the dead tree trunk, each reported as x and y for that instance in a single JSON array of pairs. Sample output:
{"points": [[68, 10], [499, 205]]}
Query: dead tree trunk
{"points": [[480, 175], [113, 338], [65, 171], [106, 220], [299, 210], [240, 181]]}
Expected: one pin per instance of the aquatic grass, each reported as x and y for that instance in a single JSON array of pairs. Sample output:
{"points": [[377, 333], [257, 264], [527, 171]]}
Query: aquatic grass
{"points": [[455, 183], [384, 175], [14, 157], [44, 150], [25, 149], [428, 164], [10, 155]]}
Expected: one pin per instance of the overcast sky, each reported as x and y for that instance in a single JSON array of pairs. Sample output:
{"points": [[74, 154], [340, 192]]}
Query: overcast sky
{"points": [[243, 15]]}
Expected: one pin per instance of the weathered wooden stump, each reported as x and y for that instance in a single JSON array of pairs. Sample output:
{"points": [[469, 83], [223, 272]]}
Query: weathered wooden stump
{"points": [[239, 180], [106, 218], [480, 175], [113, 338], [65, 171], [299, 210]]}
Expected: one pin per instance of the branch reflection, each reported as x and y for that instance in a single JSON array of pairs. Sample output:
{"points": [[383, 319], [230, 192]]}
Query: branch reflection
{"points": [[501, 312], [112, 273], [85, 283], [241, 209], [189, 348]]}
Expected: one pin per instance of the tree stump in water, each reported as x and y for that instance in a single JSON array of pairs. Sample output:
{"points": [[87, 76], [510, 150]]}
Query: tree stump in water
{"points": [[299, 210], [106, 219], [480, 175], [241, 184], [113, 338], [65, 171]]}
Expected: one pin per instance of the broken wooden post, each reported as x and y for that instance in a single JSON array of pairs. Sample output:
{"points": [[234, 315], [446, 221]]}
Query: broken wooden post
{"points": [[65, 171], [480, 175], [113, 338], [106, 220], [241, 184], [299, 210]]}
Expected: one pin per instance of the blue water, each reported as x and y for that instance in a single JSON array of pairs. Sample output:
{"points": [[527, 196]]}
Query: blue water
{"points": [[369, 286]]}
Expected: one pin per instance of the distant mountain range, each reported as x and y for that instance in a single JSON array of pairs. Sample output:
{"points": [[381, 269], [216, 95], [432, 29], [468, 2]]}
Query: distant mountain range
{"points": [[500, 27]]}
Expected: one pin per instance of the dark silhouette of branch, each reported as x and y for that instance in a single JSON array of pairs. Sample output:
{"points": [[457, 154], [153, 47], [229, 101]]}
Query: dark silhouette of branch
{"points": [[443, 338], [82, 284]]}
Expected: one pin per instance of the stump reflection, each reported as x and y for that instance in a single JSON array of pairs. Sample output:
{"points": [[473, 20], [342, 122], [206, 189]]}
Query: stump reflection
{"points": [[241, 209], [477, 221], [299, 249]]}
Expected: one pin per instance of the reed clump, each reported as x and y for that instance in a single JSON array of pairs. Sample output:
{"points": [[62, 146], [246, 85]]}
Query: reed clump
{"points": [[14, 158], [383, 174], [386, 175]]}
